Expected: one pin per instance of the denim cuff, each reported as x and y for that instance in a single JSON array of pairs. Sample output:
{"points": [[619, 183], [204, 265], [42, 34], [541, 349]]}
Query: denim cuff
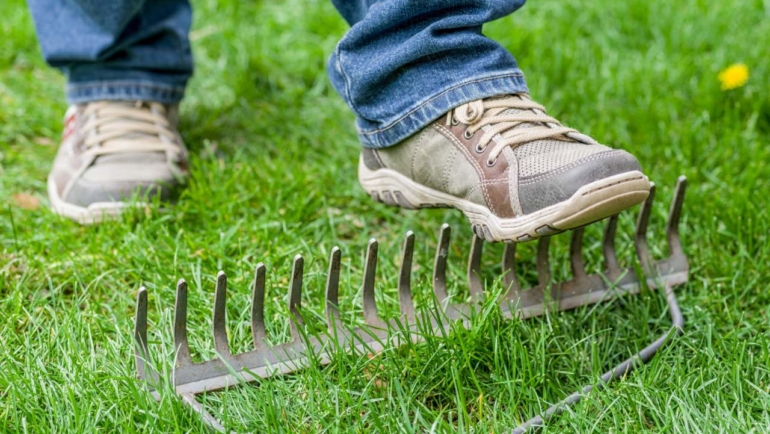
{"points": [[131, 90], [433, 108]]}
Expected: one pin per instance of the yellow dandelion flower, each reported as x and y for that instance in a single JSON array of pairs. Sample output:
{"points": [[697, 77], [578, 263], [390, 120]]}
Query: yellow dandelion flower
{"points": [[734, 76]]}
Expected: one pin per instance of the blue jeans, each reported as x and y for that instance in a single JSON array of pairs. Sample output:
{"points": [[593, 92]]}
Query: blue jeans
{"points": [[402, 64]]}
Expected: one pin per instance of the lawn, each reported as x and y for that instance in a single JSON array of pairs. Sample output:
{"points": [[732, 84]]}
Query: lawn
{"points": [[274, 157]]}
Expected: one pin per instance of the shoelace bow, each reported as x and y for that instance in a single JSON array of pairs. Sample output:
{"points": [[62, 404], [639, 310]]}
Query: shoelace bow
{"points": [[116, 127], [488, 115]]}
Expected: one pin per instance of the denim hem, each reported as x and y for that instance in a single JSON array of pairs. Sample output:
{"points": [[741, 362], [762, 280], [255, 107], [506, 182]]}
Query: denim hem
{"points": [[131, 90], [438, 105]]}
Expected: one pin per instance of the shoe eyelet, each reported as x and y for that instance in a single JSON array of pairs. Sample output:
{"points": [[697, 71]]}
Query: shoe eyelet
{"points": [[454, 121], [480, 148], [491, 163], [467, 134]]}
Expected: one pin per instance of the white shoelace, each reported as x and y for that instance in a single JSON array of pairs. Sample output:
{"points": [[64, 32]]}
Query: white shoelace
{"points": [[114, 127], [500, 127]]}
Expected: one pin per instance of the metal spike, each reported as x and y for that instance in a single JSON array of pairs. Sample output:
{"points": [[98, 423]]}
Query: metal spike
{"points": [[370, 269], [608, 245], [509, 270], [640, 238], [181, 345], [220, 320], [475, 285], [576, 254], [295, 295], [439, 264], [543, 262], [674, 216], [405, 277], [258, 331], [140, 334], [332, 289]]}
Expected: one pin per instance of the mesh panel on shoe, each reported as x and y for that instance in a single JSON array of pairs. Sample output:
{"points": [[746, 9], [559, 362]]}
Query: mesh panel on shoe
{"points": [[545, 155]]}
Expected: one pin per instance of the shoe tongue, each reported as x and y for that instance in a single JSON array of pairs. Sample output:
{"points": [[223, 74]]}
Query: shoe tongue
{"points": [[533, 147], [133, 135], [512, 111], [133, 158]]}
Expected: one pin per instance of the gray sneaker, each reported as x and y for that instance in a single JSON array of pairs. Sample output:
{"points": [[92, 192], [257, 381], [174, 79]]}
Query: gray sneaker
{"points": [[113, 151], [514, 171]]}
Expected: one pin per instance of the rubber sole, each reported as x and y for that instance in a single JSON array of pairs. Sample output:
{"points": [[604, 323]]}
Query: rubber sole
{"points": [[592, 202], [93, 213]]}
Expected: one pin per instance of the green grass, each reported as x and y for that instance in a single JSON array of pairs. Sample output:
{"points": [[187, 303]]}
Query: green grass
{"points": [[274, 154]]}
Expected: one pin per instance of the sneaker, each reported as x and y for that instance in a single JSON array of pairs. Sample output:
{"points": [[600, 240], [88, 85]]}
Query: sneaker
{"points": [[514, 171], [113, 151]]}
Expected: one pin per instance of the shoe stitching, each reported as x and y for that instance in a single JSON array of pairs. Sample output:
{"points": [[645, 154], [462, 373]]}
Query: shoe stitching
{"points": [[471, 190], [479, 184], [377, 157], [447, 170], [494, 181], [513, 181], [448, 134], [622, 181], [420, 140]]}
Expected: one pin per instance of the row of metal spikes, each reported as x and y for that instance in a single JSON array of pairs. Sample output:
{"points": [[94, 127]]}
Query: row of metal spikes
{"points": [[191, 378], [370, 311]]}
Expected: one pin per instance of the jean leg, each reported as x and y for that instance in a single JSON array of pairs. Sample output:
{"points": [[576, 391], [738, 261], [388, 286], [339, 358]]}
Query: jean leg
{"points": [[117, 49], [405, 63]]}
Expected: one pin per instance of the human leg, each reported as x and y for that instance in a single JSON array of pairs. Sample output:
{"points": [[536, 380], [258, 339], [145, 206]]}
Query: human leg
{"points": [[404, 63], [117, 50], [445, 119], [127, 63]]}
